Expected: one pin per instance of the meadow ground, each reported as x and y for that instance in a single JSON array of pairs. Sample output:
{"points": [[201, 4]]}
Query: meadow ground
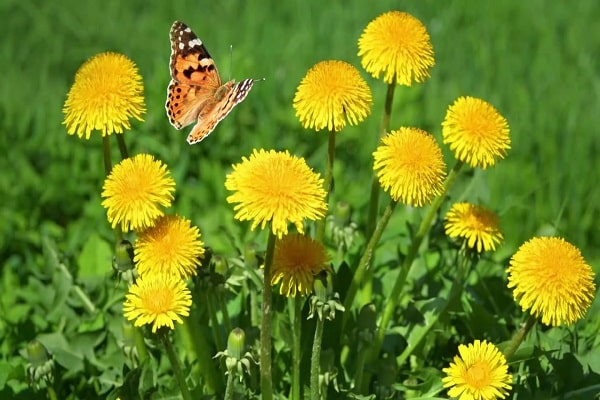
{"points": [[537, 62]]}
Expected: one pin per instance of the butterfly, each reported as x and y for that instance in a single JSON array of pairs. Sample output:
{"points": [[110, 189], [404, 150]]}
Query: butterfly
{"points": [[196, 92]]}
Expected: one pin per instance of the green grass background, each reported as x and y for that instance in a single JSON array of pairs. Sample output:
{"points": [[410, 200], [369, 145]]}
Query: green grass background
{"points": [[536, 61]]}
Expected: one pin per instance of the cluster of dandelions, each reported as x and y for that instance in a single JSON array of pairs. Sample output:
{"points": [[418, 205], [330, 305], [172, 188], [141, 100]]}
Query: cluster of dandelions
{"points": [[549, 277], [167, 251]]}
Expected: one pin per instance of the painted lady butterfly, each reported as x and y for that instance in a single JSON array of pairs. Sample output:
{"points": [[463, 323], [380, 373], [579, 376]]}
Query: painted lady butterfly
{"points": [[196, 92]]}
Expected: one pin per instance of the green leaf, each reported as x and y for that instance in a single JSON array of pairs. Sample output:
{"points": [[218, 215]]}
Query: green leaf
{"points": [[95, 257]]}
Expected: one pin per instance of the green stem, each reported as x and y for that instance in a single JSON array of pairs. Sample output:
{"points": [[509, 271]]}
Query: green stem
{"points": [[455, 291], [230, 386], [51, 392], [406, 267], [520, 335], [375, 187], [122, 146], [266, 384], [364, 263], [214, 320], [194, 335], [140, 345], [176, 364], [316, 360], [223, 305], [361, 360], [296, 332], [327, 182], [106, 154]]}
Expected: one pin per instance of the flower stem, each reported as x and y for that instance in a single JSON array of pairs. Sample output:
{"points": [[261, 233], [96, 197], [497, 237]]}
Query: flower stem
{"points": [[140, 345], [296, 332], [194, 335], [455, 291], [122, 146], [224, 312], [395, 295], [364, 263], [230, 384], [315, 362], [214, 320], [175, 363], [327, 182], [266, 384], [106, 154], [375, 187], [519, 337]]}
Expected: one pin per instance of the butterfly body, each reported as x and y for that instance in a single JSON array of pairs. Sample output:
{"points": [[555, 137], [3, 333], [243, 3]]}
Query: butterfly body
{"points": [[196, 92]]}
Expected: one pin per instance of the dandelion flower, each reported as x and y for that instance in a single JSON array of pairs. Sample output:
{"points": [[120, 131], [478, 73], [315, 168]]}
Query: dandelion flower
{"points": [[107, 92], [480, 373], [397, 44], [276, 187], [330, 93], [476, 132], [135, 190], [171, 245], [551, 279], [296, 261], [476, 224], [157, 299], [410, 166]]}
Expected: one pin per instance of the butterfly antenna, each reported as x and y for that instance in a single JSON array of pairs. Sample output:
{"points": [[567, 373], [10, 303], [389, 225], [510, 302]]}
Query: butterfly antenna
{"points": [[230, 60]]}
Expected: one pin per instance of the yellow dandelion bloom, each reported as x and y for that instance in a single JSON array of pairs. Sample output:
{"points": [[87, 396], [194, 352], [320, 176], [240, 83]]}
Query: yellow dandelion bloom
{"points": [[296, 261], [171, 245], [330, 93], [107, 92], [476, 224], [476, 132], [397, 44], [410, 166], [480, 373], [551, 279], [135, 190], [276, 187], [157, 299]]}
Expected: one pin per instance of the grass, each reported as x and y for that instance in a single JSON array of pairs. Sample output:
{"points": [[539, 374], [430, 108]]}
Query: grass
{"points": [[536, 61]]}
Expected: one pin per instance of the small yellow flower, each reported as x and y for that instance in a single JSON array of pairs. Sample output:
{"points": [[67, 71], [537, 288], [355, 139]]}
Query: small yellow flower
{"points": [[135, 190], [476, 224], [107, 92], [171, 245], [330, 93], [276, 187], [480, 373], [476, 132], [397, 44], [410, 166], [552, 280], [296, 261], [157, 299]]}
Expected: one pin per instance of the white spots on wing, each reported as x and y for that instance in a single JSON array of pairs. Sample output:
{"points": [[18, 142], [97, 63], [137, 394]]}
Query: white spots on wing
{"points": [[195, 42], [188, 30], [181, 46]]}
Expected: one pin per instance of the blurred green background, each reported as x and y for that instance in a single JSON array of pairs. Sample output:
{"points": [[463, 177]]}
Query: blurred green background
{"points": [[537, 62]]}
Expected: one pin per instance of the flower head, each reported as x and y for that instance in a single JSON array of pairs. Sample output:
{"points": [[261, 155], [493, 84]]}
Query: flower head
{"points": [[410, 166], [397, 44], [476, 132], [107, 92], [157, 299], [296, 261], [480, 373], [171, 245], [552, 280], [476, 224], [135, 190], [276, 187], [330, 93]]}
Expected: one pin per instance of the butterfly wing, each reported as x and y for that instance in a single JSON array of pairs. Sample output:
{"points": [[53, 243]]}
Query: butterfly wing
{"points": [[209, 116]]}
